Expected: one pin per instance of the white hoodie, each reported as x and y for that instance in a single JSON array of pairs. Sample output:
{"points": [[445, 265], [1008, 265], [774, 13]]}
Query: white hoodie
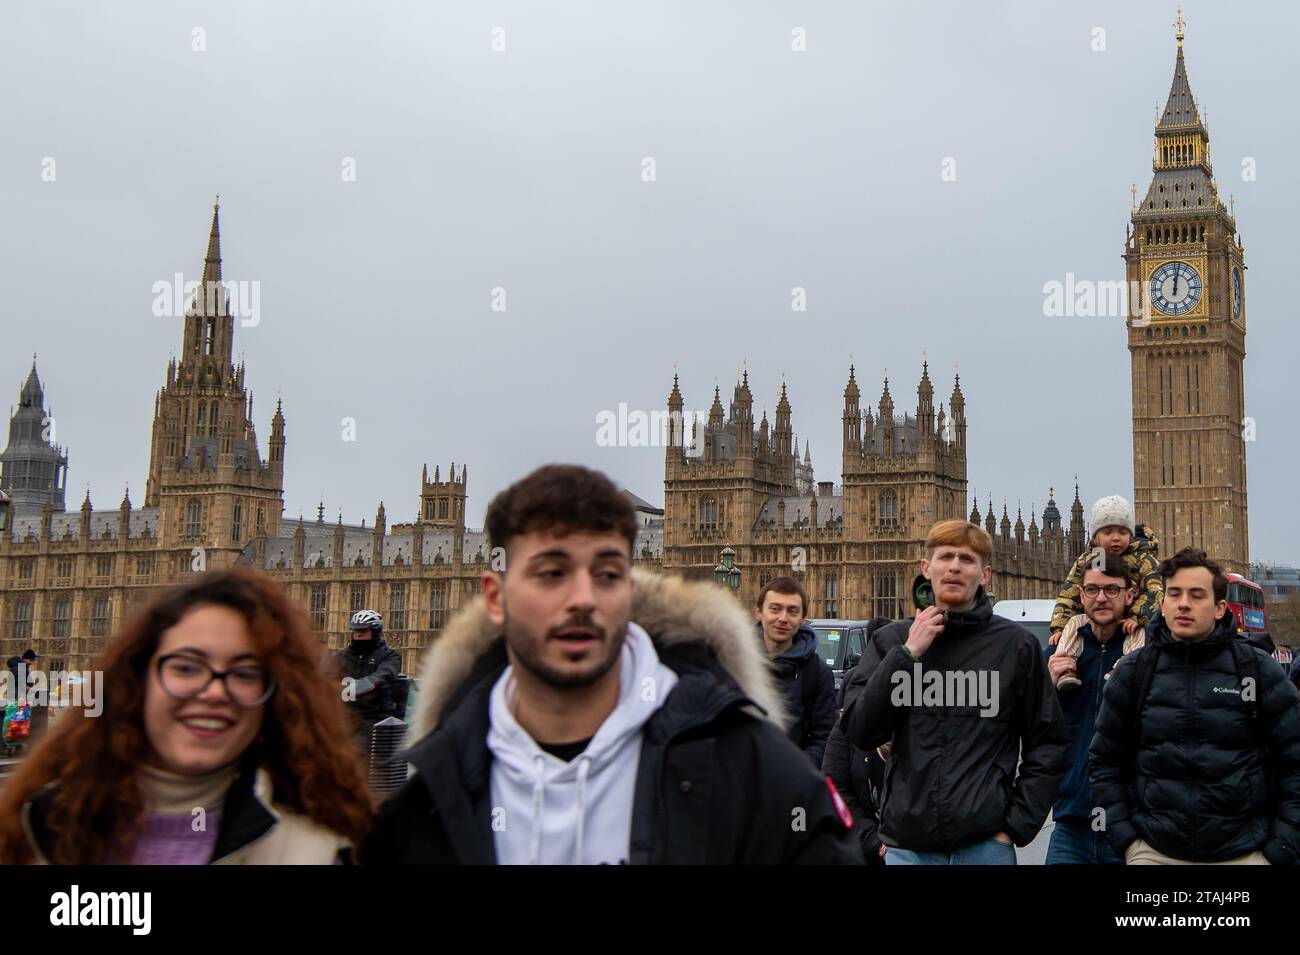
{"points": [[547, 811]]}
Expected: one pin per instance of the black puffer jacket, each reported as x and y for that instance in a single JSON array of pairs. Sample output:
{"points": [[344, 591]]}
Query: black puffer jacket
{"points": [[951, 777], [1197, 784]]}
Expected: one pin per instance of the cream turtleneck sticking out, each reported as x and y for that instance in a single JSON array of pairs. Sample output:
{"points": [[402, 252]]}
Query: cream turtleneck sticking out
{"points": [[168, 792]]}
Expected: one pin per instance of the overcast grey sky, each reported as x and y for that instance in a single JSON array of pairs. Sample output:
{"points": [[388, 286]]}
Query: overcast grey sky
{"points": [[523, 169]]}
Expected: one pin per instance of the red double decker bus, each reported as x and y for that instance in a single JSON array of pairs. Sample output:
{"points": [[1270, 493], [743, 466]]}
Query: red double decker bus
{"points": [[1246, 601]]}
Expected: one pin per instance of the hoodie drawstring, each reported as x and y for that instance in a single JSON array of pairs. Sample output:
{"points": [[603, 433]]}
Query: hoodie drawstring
{"points": [[584, 766], [539, 789]]}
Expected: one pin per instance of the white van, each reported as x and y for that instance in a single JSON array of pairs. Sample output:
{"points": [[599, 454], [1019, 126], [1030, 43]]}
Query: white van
{"points": [[1034, 615]]}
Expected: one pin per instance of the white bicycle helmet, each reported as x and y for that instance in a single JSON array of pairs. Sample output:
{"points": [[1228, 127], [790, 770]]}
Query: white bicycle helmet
{"points": [[366, 620]]}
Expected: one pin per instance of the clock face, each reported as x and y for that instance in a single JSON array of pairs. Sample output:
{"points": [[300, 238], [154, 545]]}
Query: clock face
{"points": [[1175, 288], [1236, 293]]}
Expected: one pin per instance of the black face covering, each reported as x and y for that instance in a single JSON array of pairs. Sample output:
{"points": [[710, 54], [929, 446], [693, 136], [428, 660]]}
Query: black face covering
{"points": [[363, 647]]}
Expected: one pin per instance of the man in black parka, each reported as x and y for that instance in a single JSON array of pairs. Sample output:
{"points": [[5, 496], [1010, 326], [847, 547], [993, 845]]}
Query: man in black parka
{"points": [[581, 713], [1197, 752], [977, 737]]}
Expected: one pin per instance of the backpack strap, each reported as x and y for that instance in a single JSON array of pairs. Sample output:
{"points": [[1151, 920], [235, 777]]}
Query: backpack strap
{"points": [[1247, 666], [808, 692], [1146, 671]]}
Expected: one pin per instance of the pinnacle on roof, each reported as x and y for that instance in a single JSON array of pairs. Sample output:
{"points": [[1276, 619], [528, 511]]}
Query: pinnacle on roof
{"points": [[1180, 107], [212, 260], [32, 393]]}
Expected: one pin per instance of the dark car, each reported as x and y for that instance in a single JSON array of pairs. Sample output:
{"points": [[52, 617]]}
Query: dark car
{"points": [[841, 642]]}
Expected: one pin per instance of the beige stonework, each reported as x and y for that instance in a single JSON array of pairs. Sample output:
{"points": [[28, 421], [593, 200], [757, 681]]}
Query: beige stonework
{"points": [[856, 548], [1187, 339]]}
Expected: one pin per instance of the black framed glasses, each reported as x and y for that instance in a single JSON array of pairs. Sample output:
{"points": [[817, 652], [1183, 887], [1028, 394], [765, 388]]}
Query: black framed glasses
{"points": [[184, 678], [1110, 590]]}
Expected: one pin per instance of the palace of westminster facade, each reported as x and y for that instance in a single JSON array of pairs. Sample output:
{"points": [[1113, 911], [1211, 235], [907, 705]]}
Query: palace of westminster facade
{"points": [[68, 579]]}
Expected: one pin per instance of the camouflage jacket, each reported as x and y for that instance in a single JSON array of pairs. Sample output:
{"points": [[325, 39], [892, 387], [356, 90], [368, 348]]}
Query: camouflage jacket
{"points": [[1144, 567]]}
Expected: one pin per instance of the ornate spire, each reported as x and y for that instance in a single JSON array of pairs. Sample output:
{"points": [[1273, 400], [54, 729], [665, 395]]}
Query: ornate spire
{"points": [[212, 260], [1077, 529], [675, 396], [783, 403], [1180, 108], [1051, 515], [715, 410], [32, 394]]}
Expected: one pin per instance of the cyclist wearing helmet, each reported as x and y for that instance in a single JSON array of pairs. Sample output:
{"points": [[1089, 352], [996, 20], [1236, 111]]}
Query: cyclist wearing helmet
{"points": [[370, 669]]}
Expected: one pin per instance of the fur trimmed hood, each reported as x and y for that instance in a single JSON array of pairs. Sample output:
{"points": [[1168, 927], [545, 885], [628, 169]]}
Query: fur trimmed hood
{"points": [[672, 610]]}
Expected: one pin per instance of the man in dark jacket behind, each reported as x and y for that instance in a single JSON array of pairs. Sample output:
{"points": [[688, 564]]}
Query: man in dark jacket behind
{"points": [[857, 776], [1078, 837], [370, 669], [964, 696], [805, 679], [578, 713], [1197, 752]]}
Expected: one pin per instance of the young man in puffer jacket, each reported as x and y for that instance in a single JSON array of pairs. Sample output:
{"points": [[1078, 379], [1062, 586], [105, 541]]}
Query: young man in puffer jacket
{"points": [[1197, 752]]}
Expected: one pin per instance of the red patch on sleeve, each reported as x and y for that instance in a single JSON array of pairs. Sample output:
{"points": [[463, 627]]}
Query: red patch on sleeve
{"points": [[846, 817]]}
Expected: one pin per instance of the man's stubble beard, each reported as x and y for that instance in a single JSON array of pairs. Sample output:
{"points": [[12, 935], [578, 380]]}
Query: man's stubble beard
{"points": [[527, 654]]}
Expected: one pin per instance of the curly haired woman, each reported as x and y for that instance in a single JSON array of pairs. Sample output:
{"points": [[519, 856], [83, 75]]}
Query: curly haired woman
{"points": [[220, 742]]}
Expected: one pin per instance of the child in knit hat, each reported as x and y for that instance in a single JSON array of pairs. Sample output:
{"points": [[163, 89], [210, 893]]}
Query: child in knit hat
{"points": [[1114, 530]]}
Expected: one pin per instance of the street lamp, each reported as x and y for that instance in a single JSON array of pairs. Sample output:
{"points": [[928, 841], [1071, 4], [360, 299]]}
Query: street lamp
{"points": [[727, 573]]}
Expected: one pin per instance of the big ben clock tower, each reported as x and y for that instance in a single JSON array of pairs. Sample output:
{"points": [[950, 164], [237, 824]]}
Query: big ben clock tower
{"points": [[1187, 338]]}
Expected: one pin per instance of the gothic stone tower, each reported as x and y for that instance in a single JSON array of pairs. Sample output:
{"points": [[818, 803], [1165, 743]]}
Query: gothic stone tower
{"points": [[205, 472], [902, 474], [1187, 338], [442, 505], [713, 499], [33, 470]]}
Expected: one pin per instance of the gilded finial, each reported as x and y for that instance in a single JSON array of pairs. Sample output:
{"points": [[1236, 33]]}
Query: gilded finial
{"points": [[1179, 25]]}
